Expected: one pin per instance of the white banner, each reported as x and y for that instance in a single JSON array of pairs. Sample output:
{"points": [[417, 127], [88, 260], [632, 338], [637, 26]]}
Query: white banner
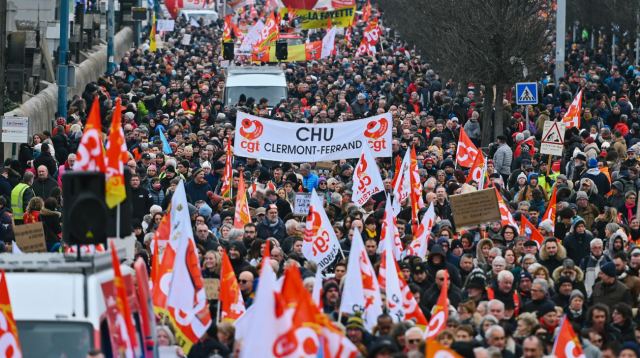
{"points": [[320, 243], [366, 178], [262, 138]]}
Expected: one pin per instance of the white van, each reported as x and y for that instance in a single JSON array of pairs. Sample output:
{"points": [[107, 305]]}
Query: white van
{"points": [[209, 16], [255, 81], [58, 303]]}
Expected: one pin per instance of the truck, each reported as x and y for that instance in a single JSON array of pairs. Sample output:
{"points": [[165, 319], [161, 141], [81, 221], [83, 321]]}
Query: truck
{"points": [[255, 81]]}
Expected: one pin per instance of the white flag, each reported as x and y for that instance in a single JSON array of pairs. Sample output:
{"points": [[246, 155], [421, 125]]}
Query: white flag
{"points": [[328, 44], [390, 232], [392, 285], [317, 288], [361, 292], [320, 243], [252, 37], [366, 178], [420, 242], [402, 189]]}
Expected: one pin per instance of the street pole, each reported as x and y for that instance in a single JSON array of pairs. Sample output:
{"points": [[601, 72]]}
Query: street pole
{"points": [[3, 52], [637, 35], [111, 64], [138, 27], [62, 58], [561, 19]]}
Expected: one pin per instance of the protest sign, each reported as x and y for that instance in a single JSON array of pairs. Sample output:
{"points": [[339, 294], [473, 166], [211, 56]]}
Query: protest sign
{"points": [[30, 237], [475, 208], [318, 19], [212, 288], [301, 204], [165, 25], [267, 139]]}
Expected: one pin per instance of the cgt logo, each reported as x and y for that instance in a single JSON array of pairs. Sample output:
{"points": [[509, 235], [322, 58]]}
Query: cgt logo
{"points": [[250, 130], [315, 233], [363, 176], [376, 129]]}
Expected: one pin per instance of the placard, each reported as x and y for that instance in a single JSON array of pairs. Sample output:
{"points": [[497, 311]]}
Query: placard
{"points": [[267, 139], [127, 243], [301, 204], [165, 25], [15, 129], [186, 39], [212, 288], [30, 237], [475, 208]]}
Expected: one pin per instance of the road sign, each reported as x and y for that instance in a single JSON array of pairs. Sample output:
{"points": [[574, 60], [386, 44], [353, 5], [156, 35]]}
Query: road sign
{"points": [[552, 138], [526, 93], [15, 129]]}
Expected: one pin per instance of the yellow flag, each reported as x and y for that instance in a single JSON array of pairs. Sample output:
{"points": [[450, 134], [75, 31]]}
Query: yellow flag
{"points": [[152, 35], [115, 186]]}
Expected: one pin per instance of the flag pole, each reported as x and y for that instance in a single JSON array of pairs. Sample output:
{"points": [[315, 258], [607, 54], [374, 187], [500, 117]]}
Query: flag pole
{"points": [[218, 312], [118, 222]]}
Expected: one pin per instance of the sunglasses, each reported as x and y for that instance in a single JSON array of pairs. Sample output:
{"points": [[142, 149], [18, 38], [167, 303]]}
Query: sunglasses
{"points": [[243, 281], [414, 341]]}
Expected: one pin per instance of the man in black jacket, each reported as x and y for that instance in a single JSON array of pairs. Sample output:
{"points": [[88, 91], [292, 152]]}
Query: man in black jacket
{"points": [[141, 200], [44, 184], [46, 159]]}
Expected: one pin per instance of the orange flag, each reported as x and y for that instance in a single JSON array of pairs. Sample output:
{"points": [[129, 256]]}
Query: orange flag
{"points": [[550, 213], [366, 11], [417, 202], [466, 151], [90, 155], [227, 177], [242, 215], [396, 171], [116, 152], [572, 117], [129, 342], [527, 228], [567, 344], [231, 301], [159, 266], [435, 349], [411, 308], [10, 342], [440, 312]]}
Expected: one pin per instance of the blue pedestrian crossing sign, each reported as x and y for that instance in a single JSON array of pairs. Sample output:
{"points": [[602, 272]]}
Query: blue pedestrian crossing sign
{"points": [[526, 93]]}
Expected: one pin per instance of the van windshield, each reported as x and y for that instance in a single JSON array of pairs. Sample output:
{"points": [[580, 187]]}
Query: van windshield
{"points": [[272, 93], [55, 339]]}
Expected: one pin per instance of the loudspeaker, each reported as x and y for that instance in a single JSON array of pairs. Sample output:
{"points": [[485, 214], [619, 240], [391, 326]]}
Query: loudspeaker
{"points": [[85, 211], [282, 51], [228, 51]]}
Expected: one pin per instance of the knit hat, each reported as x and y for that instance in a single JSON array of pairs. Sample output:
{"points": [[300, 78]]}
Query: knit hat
{"points": [[154, 209], [205, 210], [547, 225], [574, 294], [355, 322], [524, 274], [522, 175], [582, 195], [544, 309], [564, 279], [593, 163], [608, 269]]}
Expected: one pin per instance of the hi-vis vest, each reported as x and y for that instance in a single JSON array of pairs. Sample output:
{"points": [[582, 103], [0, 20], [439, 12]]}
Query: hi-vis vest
{"points": [[516, 299], [17, 200]]}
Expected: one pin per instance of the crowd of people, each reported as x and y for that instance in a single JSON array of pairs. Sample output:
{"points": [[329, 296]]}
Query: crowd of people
{"points": [[507, 293]]}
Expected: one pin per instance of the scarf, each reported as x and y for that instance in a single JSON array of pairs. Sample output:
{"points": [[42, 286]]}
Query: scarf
{"points": [[630, 208]]}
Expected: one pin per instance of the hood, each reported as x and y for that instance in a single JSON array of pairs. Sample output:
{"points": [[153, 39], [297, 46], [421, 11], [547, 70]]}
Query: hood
{"points": [[576, 221], [437, 250], [618, 235], [47, 212], [579, 273], [479, 256], [593, 189]]}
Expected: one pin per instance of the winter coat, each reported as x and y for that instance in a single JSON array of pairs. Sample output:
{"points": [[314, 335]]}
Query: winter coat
{"points": [[591, 267], [611, 294], [502, 159], [577, 245], [51, 224], [47, 160], [266, 229], [43, 188], [432, 269], [551, 263]]}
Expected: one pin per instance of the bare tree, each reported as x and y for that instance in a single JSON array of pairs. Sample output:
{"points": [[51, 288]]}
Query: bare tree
{"points": [[494, 43]]}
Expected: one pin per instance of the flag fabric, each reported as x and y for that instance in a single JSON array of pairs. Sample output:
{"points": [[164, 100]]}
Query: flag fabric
{"points": [[10, 341], [320, 243], [231, 301], [402, 187], [567, 344], [329, 43], [388, 278], [316, 294], [550, 213], [572, 117], [478, 171], [532, 233], [361, 291], [180, 293], [505, 214], [166, 148], [115, 186], [90, 155], [128, 343], [152, 35], [227, 177], [389, 232], [417, 202], [419, 244], [440, 312], [226, 30], [436, 350], [312, 51], [366, 11], [466, 151], [366, 178], [242, 216], [269, 32], [412, 310]]}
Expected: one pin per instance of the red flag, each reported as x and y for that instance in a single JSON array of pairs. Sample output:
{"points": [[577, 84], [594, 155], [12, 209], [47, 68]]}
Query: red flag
{"points": [[550, 213], [505, 215], [567, 344], [8, 330], [466, 151], [572, 117], [242, 215], [476, 173], [396, 171], [227, 177], [527, 228], [313, 50], [90, 155], [440, 312], [129, 342], [231, 301], [226, 32], [366, 11]]}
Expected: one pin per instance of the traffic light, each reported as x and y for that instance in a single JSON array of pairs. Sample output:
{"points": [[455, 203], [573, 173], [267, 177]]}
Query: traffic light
{"points": [[282, 51], [228, 51], [85, 213]]}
